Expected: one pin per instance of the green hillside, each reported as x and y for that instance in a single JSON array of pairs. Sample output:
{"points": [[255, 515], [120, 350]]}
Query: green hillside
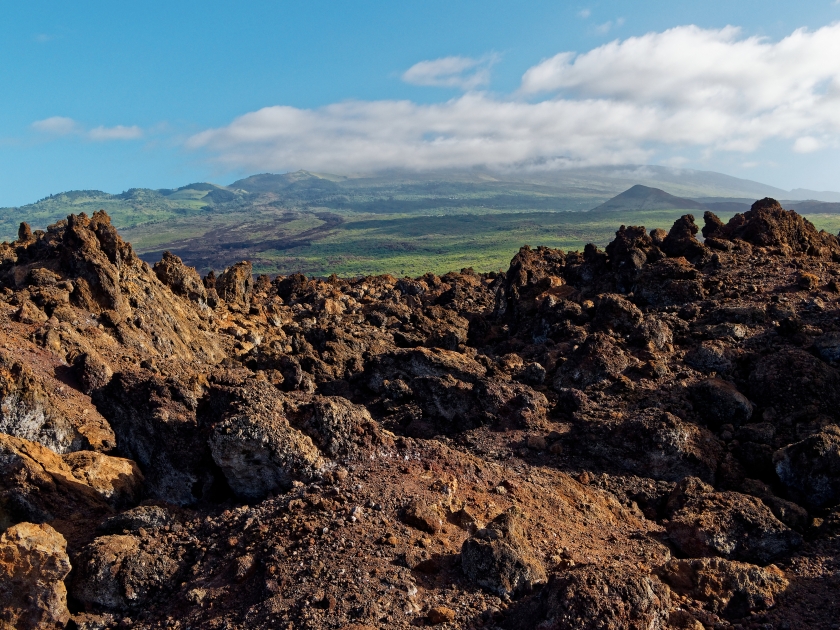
{"points": [[394, 222]]}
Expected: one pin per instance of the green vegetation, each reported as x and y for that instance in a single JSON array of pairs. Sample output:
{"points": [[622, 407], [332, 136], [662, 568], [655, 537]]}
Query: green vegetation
{"points": [[411, 246], [395, 223]]}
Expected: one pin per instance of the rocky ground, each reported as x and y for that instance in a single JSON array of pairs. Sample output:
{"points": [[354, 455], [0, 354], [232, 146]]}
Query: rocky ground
{"points": [[644, 437]]}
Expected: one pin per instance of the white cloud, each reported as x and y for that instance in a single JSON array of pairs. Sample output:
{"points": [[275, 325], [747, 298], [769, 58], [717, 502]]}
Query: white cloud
{"points": [[607, 26], [584, 13], [807, 144], [115, 133], [625, 101], [465, 73], [56, 125], [63, 126]]}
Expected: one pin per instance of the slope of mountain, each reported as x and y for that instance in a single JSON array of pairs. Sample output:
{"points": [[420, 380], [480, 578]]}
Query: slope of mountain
{"points": [[803, 194], [645, 198], [396, 221]]}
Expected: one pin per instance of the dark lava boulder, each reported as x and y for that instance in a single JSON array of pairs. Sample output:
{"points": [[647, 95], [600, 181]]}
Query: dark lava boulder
{"points": [[669, 282], [183, 280], [338, 427], [256, 448], [631, 249], [117, 573], [653, 443], [709, 356], [599, 359], [704, 523], [810, 469], [595, 597], [681, 240], [791, 379], [719, 402], [769, 225], [154, 419], [499, 557], [146, 516], [235, 284], [730, 589]]}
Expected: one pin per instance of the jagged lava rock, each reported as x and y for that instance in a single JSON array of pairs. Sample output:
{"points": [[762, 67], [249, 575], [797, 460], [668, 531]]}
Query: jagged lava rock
{"points": [[116, 573], [38, 485], [597, 598], [339, 427], [33, 565], [719, 402], [236, 283], [704, 523], [499, 558], [810, 469], [183, 280], [146, 516], [154, 419], [257, 449], [767, 224], [792, 379], [373, 424], [28, 411], [731, 589], [655, 444]]}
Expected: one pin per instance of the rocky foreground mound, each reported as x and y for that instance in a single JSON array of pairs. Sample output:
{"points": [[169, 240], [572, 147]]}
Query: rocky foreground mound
{"points": [[646, 437]]}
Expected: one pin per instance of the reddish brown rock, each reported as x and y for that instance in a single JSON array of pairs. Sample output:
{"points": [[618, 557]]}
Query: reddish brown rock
{"points": [[597, 598], [33, 565], [235, 284], [705, 523], [183, 280], [730, 589], [499, 557], [116, 573]]}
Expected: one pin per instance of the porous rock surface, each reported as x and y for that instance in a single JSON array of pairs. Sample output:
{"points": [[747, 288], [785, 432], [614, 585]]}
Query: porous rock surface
{"points": [[33, 565], [641, 437]]}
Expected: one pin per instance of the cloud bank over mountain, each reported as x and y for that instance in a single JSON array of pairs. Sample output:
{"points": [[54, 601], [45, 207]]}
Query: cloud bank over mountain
{"points": [[685, 88]]}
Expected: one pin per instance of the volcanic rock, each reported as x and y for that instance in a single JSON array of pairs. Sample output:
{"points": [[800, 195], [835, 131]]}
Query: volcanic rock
{"points": [[602, 598], [258, 451], [655, 444], [183, 280], [28, 411], [155, 421], [33, 565], [810, 469], [705, 523], [658, 396], [338, 427], [146, 516], [767, 224], [718, 402], [681, 241], [37, 485], [116, 573], [731, 589], [235, 284], [499, 557], [791, 379]]}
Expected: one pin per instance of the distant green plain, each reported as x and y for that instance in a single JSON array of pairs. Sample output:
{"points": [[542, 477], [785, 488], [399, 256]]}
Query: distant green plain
{"points": [[307, 223]]}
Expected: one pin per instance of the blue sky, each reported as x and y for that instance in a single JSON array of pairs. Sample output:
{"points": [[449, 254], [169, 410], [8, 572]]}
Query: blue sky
{"points": [[112, 95]]}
